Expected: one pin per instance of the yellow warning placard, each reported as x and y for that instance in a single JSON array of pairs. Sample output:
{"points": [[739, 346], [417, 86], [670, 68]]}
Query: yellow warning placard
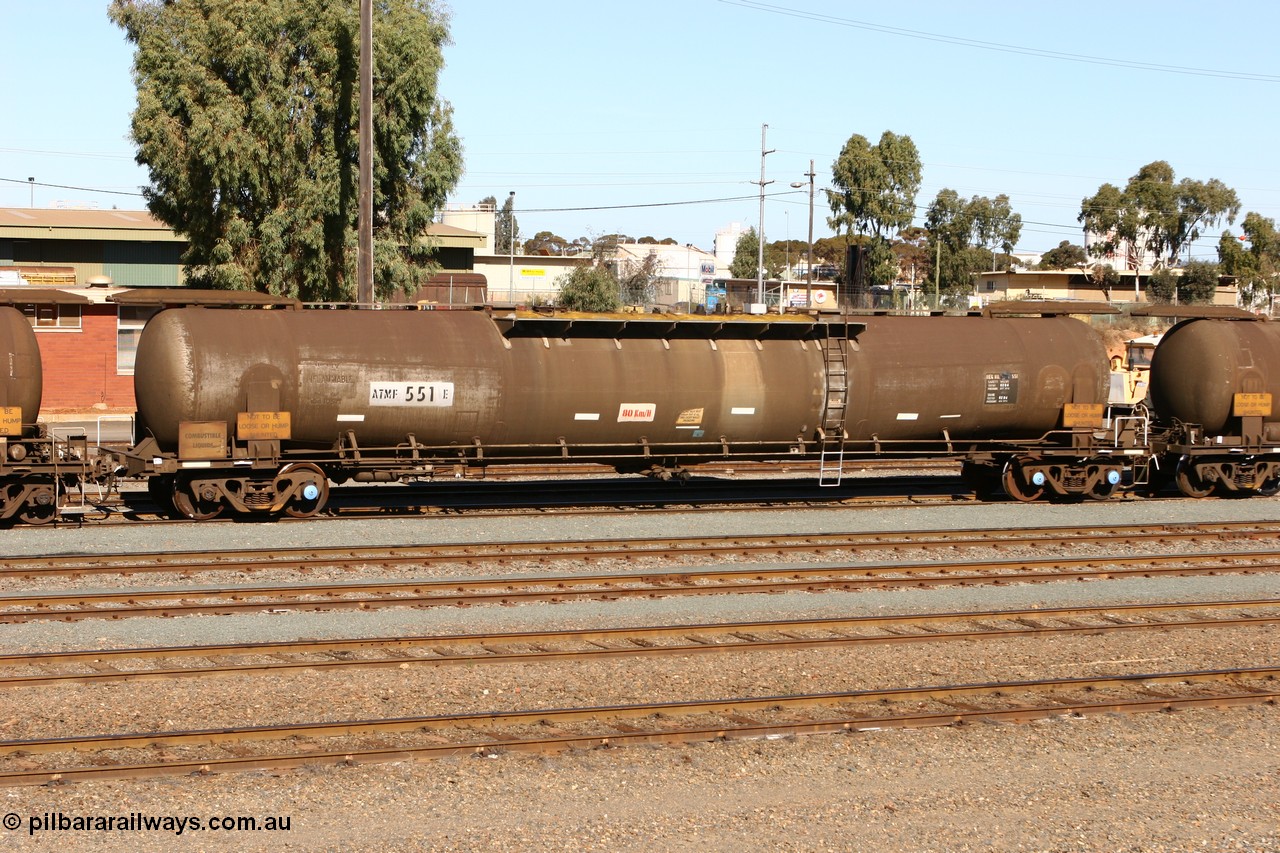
{"points": [[263, 426], [690, 417], [202, 440], [1251, 404], [11, 420], [1082, 415]]}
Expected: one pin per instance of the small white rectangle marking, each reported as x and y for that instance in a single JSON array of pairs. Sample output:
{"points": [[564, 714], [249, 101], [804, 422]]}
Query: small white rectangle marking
{"points": [[197, 464], [356, 419], [908, 416], [587, 416], [746, 410]]}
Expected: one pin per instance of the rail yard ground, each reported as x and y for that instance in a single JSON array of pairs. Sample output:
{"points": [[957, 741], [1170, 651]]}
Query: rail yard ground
{"points": [[1188, 780]]}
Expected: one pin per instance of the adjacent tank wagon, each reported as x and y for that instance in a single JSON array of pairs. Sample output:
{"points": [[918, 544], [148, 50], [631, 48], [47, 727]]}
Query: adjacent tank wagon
{"points": [[1213, 383], [37, 472]]}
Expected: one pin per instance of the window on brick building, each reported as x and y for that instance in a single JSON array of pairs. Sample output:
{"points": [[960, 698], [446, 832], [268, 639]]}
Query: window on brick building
{"points": [[129, 325], [46, 318]]}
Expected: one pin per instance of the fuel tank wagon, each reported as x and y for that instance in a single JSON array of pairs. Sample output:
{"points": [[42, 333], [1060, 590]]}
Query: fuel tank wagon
{"points": [[1213, 383], [258, 410]]}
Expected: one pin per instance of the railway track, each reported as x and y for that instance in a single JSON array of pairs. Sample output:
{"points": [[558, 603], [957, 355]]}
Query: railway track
{"points": [[565, 587], [130, 755], [1131, 537], [544, 647]]}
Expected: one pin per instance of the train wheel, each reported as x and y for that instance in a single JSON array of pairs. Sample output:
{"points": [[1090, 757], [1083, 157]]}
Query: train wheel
{"points": [[1269, 488], [32, 514], [313, 495], [1106, 485], [1189, 481], [1102, 491], [41, 506], [1018, 486], [189, 504]]}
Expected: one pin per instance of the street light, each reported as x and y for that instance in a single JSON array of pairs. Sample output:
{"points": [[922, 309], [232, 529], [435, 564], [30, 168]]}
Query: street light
{"points": [[511, 242], [808, 273]]}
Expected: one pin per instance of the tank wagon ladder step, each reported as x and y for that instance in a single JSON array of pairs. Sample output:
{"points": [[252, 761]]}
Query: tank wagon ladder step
{"points": [[831, 455]]}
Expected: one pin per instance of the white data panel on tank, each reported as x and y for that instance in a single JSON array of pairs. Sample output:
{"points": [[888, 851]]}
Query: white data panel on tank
{"points": [[411, 393]]}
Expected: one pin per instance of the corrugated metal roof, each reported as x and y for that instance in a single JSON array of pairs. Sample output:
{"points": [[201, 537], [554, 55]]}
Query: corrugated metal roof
{"points": [[453, 237], [20, 223]]}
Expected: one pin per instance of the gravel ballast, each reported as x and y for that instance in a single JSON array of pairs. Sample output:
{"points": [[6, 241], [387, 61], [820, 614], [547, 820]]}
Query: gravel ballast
{"points": [[1190, 780]]}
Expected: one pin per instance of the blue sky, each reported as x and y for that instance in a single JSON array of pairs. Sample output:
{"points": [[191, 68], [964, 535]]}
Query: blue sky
{"points": [[647, 119]]}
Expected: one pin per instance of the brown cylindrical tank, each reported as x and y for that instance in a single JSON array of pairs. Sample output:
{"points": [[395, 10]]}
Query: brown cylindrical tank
{"points": [[451, 377], [21, 383], [974, 377], [1200, 365]]}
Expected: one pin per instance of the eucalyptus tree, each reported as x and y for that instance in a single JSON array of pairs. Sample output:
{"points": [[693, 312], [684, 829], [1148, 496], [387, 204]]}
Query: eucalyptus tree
{"points": [[247, 121], [1157, 213], [1256, 268], [1063, 256], [875, 196]]}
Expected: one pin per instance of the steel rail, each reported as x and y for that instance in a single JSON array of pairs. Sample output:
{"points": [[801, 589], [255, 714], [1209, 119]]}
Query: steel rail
{"points": [[742, 638], [733, 709], [557, 588], [244, 560]]}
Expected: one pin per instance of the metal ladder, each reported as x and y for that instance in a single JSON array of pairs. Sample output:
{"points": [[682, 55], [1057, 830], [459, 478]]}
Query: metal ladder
{"points": [[832, 434]]}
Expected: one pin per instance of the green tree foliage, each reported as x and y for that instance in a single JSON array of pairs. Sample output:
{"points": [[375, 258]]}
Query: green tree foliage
{"points": [[746, 257], [1198, 283], [507, 227], [1104, 277], [1256, 268], [995, 225], [589, 288], [1157, 213], [875, 186], [965, 233], [1191, 285], [875, 196], [1161, 286], [1063, 256], [546, 243], [247, 121]]}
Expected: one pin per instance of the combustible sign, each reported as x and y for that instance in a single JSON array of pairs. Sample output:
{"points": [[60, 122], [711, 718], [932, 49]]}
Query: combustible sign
{"points": [[202, 440]]}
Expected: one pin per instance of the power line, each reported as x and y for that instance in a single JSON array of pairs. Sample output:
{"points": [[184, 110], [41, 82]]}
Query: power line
{"points": [[1002, 48], [67, 187]]}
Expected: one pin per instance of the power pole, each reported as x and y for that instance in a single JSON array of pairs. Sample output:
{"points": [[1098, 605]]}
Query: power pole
{"points": [[364, 258], [764, 129], [808, 274]]}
